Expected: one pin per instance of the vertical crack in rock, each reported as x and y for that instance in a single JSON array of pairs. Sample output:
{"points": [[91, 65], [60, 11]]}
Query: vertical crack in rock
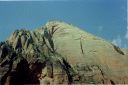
{"points": [[81, 46]]}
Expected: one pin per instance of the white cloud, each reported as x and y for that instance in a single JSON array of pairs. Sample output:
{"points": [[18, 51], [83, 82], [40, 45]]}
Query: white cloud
{"points": [[126, 35], [117, 41], [100, 28]]}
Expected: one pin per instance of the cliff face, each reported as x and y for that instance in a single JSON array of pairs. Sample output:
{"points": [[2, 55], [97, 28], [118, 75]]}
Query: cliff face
{"points": [[59, 53]]}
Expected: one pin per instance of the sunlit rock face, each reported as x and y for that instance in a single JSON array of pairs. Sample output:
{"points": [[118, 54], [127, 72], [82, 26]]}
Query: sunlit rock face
{"points": [[60, 53]]}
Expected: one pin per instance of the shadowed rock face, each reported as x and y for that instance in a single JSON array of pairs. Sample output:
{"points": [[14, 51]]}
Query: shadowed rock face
{"points": [[59, 53]]}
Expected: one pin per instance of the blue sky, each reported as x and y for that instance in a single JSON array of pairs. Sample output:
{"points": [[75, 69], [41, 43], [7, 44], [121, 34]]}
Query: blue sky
{"points": [[104, 18]]}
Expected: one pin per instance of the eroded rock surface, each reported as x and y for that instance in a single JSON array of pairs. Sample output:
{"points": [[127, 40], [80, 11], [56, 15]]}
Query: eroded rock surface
{"points": [[59, 53]]}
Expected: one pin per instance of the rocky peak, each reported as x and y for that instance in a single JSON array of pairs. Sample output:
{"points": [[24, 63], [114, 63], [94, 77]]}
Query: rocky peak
{"points": [[60, 53]]}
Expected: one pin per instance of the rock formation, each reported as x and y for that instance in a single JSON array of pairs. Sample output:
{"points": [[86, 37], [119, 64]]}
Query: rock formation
{"points": [[60, 53]]}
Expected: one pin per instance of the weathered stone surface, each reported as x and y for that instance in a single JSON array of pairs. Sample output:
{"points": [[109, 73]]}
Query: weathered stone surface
{"points": [[59, 53]]}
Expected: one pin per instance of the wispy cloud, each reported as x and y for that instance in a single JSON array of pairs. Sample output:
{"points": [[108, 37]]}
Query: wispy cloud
{"points": [[117, 41], [126, 35], [121, 41], [100, 28]]}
